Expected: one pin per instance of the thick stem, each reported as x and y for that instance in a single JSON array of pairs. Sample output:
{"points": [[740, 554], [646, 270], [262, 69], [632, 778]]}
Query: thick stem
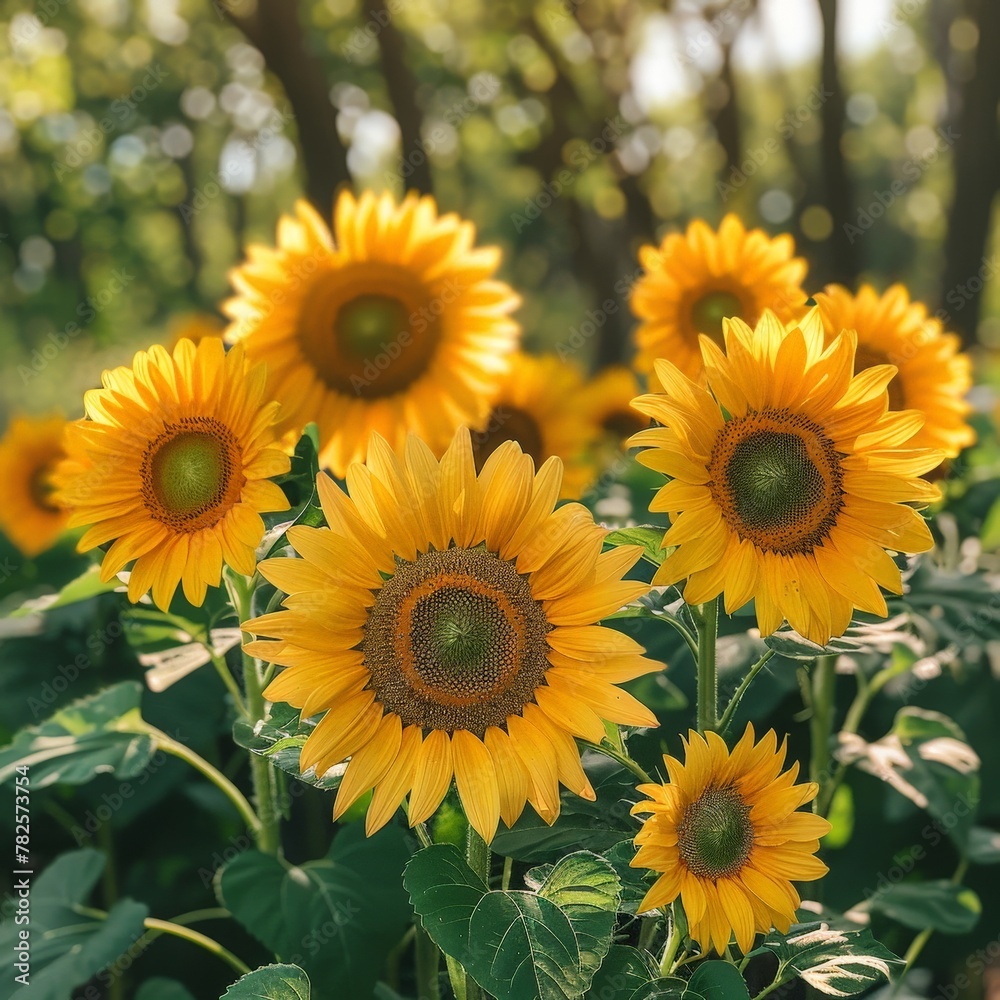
{"points": [[428, 960], [821, 728], [673, 943], [477, 853], [708, 675]]}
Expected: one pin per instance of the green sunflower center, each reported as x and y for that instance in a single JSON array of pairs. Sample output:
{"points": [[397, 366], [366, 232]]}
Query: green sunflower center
{"points": [[710, 310], [715, 836], [192, 473], [42, 490], [508, 423], [369, 324], [773, 480], [455, 640]]}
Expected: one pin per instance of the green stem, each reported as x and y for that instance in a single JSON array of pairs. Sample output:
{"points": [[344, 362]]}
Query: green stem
{"points": [[708, 675], [508, 868], [477, 853], [622, 759], [673, 943], [821, 729], [222, 669], [727, 717], [428, 960], [268, 834], [156, 927]]}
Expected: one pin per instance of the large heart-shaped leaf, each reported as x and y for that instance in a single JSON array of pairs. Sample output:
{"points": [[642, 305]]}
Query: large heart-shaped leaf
{"points": [[337, 917], [90, 737], [271, 982], [717, 981], [938, 904], [68, 943], [622, 972]]}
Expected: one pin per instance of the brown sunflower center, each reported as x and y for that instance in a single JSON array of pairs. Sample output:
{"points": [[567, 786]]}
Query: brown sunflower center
{"points": [[41, 489], [508, 423], [370, 330], [455, 640], [715, 837], [192, 473], [622, 424], [710, 310], [866, 357], [777, 480]]}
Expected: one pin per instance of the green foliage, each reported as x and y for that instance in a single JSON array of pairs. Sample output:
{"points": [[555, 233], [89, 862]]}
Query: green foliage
{"points": [[69, 942], [272, 982], [938, 904]]}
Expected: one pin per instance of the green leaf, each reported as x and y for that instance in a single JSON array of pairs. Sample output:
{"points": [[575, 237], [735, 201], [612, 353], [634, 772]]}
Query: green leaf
{"points": [[635, 882], [271, 982], [337, 917], [159, 988], [68, 944], [937, 904], [836, 960], [717, 981], [547, 944], [649, 536], [940, 772], [670, 988], [90, 737], [622, 972], [87, 585], [280, 737], [984, 846], [860, 636]]}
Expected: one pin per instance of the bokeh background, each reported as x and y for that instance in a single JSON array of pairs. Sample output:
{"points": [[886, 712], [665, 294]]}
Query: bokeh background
{"points": [[143, 144]]}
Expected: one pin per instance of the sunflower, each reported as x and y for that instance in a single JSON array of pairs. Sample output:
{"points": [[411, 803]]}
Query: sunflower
{"points": [[173, 464], [607, 400], [394, 325], [695, 280], [540, 405], [446, 624], [29, 452], [725, 835], [933, 376], [789, 477]]}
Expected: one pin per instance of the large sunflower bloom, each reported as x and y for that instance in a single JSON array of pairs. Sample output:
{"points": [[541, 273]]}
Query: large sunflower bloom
{"points": [[696, 279], [933, 376], [789, 477], [172, 462], [725, 835], [446, 624], [540, 405], [393, 324], [29, 452]]}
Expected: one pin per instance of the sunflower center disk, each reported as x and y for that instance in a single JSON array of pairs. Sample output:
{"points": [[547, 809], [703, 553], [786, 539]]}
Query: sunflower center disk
{"points": [[368, 324], [508, 423], [716, 836], [456, 641], [42, 490], [710, 310], [777, 480], [190, 474]]}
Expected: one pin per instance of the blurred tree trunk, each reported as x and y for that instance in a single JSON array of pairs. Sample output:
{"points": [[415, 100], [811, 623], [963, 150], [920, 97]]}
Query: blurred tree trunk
{"points": [[275, 30], [837, 185], [977, 174], [402, 86]]}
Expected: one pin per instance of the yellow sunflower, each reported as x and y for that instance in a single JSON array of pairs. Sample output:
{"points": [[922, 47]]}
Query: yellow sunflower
{"points": [[933, 375], [29, 452], [394, 324], [172, 462], [696, 279], [725, 835], [540, 405], [607, 400], [446, 624], [789, 477]]}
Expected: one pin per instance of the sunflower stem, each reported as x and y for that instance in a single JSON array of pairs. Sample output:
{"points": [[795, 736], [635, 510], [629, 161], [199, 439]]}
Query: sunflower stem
{"points": [[821, 728], [154, 928], [708, 674], [727, 717], [427, 959], [673, 943], [478, 855], [622, 758]]}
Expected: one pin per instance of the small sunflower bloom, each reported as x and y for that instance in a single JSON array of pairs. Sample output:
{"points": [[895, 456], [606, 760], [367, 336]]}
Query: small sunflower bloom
{"points": [[607, 399], [696, 279], [30, 515], [933, 376], [447, 624], [172, 464], [726, 838], [540, 405], [789, 477], [393, 323]]}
